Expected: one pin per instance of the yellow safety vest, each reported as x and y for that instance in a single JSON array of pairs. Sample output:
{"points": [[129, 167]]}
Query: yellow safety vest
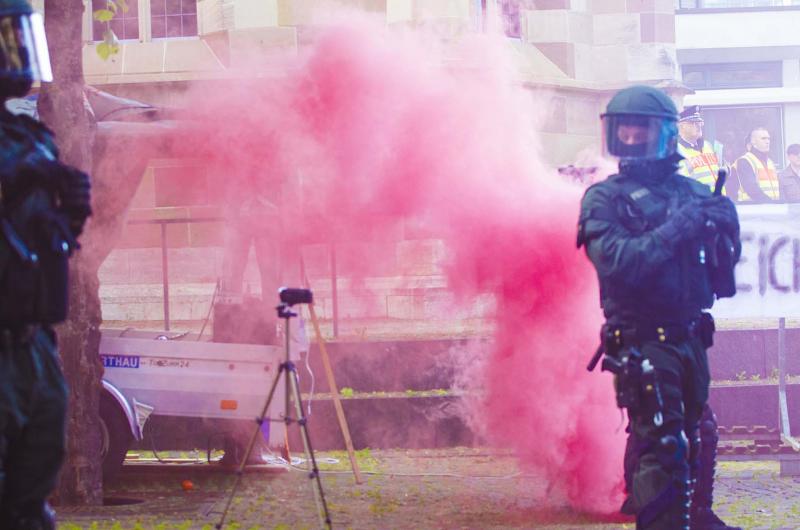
{"points": [[766, 176], [702, 166]]}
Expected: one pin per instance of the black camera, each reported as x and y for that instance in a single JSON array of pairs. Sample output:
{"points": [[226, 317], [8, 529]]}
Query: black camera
{"points": [[293, 295]]}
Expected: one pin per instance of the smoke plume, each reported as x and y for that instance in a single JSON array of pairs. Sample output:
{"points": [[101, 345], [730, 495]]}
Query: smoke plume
{"points": [[379, 126]]}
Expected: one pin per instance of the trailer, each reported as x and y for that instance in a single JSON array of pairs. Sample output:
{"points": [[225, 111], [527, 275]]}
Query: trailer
{"points": [[164, 374]]}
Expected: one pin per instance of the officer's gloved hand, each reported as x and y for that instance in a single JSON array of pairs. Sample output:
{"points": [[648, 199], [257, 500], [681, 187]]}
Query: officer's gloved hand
{"points": [[684, 223], [721, 211], [76, 197]]}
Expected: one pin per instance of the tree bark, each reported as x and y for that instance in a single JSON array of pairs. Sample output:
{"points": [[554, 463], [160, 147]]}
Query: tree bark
{"points": [[63, 107], [116, 155]]}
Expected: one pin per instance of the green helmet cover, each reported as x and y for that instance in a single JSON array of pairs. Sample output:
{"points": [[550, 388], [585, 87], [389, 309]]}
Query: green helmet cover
{"points": [[642, 100]]}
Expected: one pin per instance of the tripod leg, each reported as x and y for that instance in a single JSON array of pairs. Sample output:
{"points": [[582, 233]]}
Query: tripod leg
{"points": [[319, 493], [259, 421]]}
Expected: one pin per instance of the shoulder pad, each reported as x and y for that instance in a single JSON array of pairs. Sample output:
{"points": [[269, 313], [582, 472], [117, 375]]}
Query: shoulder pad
{"points": [[597, 205]]}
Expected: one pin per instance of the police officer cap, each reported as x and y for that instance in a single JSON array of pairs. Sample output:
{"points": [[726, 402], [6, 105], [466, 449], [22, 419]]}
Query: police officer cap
{"points": [[644, 101], [15, 7], [691, 113]]}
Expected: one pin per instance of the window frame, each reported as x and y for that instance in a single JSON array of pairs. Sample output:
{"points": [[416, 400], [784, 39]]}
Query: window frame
{"points": [[707, 69], [145, 26], [150, 24], [778, 143], [92, 21]]}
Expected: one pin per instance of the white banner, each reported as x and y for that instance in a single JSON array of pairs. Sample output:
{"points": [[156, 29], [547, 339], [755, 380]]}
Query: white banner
{"points": [[768, 275]]}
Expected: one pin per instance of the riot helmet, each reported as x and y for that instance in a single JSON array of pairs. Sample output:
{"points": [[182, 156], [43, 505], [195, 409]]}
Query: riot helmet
{"points": [[639, 125], [23, 48]]}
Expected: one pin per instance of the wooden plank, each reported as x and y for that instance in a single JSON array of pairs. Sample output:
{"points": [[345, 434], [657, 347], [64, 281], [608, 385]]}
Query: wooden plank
{"points": [[334, 389]]}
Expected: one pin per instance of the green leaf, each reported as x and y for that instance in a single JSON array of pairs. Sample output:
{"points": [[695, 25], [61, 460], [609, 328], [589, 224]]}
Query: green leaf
{"points": [[112, 5], [104, 50], [103, 15], [123, 4], [109, 46]]}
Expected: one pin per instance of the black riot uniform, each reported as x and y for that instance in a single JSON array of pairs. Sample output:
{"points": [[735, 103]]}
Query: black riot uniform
{"points": [[43, 207], [663, 248]]}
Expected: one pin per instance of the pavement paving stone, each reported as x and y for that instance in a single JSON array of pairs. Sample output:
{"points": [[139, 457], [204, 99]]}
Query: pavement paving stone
{"points": [[461, 488]]}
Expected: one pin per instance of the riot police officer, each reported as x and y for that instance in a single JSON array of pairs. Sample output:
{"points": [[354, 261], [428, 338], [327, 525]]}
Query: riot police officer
{"points": [[43, 207], [663, 247]]}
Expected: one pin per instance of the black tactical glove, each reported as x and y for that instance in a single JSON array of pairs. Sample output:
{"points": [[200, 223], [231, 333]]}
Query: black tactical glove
{"points": [[32, 171], [76, 198], [721, 211], [684, 223]]}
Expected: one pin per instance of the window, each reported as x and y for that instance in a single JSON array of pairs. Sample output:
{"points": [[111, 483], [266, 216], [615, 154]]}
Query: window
{"points": [[733, 75], [728, 127], [173, 18], [124, 25]]}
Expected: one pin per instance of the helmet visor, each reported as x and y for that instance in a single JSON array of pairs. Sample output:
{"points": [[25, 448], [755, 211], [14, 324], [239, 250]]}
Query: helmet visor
{"points": [[23, 48], [636, 137]]}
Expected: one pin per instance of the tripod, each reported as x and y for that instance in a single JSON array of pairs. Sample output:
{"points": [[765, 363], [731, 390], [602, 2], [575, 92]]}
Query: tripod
{"points": [[292, 387]]}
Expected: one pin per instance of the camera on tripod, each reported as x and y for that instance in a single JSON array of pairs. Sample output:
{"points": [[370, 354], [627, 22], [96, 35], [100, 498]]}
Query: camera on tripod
{"points": [[293, 295], [289, 296]]}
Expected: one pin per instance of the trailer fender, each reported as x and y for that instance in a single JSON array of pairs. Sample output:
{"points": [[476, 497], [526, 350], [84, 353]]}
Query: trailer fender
{"points": [[135, 412]]}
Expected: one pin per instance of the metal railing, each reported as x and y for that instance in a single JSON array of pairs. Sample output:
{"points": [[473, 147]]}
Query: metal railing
{"points": [[187, 220]]}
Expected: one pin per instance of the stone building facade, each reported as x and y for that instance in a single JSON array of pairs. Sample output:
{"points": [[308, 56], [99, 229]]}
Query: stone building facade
{"points": [[577, 52]]}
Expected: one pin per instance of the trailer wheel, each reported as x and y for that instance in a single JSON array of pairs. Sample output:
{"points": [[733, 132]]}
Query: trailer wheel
{"points": [[116, 436]]}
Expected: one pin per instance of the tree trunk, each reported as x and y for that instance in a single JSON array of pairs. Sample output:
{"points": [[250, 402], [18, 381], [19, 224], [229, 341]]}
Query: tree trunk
{"points": [[63, 107]]}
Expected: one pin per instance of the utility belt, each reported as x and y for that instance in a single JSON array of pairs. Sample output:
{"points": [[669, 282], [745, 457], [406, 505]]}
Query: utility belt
{"points": [[637, 384], [615, 337]]}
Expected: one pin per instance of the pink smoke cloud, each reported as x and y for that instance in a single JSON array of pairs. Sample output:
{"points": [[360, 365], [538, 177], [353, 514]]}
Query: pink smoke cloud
{"points": [[386, 125]]}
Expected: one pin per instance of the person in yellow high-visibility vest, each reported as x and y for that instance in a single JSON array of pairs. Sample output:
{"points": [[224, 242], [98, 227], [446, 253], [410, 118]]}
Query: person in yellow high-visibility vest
{"points": [[756, 175], [699, 162]]}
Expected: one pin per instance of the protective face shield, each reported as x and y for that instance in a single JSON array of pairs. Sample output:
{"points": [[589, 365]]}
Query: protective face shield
{"points": [[23, 52], [632, 137], [640, 125]]}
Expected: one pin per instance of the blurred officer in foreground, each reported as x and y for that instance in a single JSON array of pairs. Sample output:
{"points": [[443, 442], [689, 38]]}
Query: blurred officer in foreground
{"points": [[43, 207], [663, 247]]}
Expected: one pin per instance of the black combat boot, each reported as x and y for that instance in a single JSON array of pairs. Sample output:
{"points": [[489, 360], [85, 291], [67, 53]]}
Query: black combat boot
{"points": [[702, 516], [31, 516]]}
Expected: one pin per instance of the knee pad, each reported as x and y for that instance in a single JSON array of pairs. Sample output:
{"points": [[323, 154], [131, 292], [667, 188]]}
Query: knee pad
{"points": [[672, 503], [709, 433]]}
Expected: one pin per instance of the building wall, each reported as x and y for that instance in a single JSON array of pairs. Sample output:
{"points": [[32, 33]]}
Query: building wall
{"points": [[573, 54], [791, 110], [719, 38], [746, 28]]}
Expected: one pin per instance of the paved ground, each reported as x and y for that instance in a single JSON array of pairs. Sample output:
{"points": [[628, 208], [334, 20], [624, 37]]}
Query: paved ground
{"points": [[456, 488]]}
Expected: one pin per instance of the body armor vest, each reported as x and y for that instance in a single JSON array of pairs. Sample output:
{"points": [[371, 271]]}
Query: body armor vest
{"points": [[35, 241], [677, 289]]}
